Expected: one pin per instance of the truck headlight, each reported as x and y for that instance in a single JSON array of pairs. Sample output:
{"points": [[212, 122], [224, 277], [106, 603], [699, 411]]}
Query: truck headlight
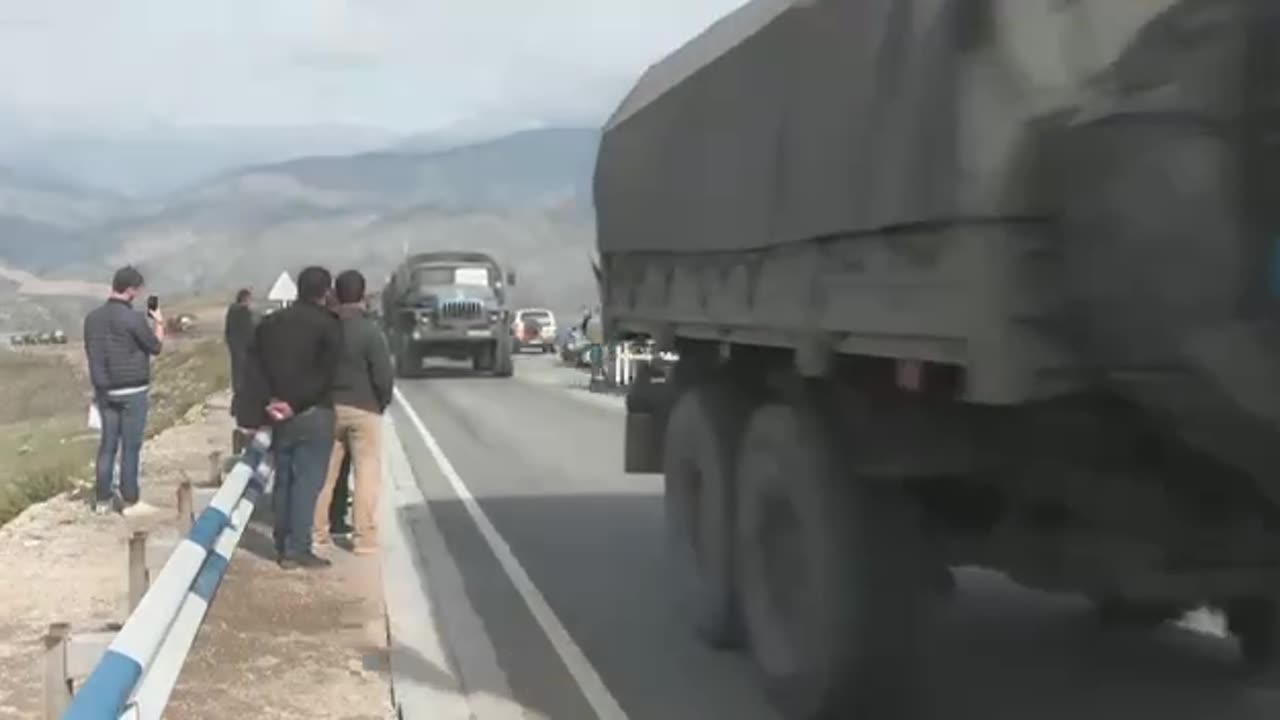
{"points": [[495, 316]]}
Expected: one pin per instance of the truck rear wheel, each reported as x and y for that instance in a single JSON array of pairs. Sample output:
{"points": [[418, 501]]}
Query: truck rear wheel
{"points": [[700, 453], [829, 571], [503, 362], [408, 362]]}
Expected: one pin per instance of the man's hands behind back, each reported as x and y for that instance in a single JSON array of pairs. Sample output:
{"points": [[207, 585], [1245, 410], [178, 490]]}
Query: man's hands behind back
{"points": [[279, 410]]}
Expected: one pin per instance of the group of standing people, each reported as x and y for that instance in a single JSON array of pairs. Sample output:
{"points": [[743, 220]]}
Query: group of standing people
{"points": [[318, 372]]}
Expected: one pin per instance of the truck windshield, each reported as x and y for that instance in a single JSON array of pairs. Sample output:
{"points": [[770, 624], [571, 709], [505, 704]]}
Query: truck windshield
{"points": [[437, 276]]}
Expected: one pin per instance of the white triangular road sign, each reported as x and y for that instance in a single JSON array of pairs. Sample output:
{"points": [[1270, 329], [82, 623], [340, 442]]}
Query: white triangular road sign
{"points": [[283, 290]]}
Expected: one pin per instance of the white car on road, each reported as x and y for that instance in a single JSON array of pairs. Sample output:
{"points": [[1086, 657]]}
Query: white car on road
{"points": [[535, 327]]}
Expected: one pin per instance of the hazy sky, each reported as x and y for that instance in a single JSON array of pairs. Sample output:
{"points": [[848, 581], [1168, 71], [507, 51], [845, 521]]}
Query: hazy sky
{"points": [[399, 64]]}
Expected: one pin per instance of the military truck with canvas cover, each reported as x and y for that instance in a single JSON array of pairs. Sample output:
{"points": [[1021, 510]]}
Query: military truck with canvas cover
{"points": [[448, 305], [953, 282]]}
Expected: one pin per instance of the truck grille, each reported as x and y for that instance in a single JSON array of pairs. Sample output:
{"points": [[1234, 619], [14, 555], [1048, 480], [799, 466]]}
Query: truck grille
{"points": [[461, 310]]}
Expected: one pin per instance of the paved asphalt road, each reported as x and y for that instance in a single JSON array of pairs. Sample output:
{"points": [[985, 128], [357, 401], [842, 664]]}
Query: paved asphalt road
{"points": [[543, 462]]}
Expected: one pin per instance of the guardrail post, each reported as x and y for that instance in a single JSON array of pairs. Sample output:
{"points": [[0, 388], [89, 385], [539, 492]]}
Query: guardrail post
{"points": [[215, 463], [186, 509], [57, 689], [142, 660], [139, 578]]}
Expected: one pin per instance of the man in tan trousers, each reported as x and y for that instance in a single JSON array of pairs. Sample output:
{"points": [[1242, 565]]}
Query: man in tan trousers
{"points": [[362, 391]]}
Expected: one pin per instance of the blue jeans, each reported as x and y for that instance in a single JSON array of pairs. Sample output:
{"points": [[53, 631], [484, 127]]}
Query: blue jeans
{"points": [[301, 446], [124, 421]]}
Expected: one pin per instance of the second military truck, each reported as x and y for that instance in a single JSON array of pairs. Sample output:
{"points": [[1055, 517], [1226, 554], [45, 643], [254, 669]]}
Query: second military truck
{"points": [[953, 282], [449, 305]]}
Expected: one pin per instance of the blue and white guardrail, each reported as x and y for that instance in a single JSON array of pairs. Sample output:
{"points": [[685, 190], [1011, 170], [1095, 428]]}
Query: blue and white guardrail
{"points": [[136, 675], [617, 365]]}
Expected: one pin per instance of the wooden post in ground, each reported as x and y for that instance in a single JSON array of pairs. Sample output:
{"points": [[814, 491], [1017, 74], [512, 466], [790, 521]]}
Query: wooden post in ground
{"points": [[57, 690], [215, 467], [186, 511], [139, 578]]}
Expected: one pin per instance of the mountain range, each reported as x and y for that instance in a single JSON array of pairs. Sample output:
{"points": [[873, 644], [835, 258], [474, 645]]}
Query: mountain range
{"points": [[525, 197]]}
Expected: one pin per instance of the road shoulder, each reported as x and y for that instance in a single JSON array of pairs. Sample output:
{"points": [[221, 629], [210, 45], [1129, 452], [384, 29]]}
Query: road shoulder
{"points": [[289, 644], [274, 644], [443, 663]]}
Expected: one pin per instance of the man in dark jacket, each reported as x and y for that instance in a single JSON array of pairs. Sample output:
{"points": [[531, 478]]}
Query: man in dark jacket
{"points": [[119, 343], [361, 393], [288, 382], [238, 333]]}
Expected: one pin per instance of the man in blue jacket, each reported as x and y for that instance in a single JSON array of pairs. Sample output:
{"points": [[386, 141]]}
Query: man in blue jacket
{"points": [[119, 343]]}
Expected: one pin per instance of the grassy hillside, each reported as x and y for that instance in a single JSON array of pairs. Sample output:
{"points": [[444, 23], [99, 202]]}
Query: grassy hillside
{"points": [[45, 445]]}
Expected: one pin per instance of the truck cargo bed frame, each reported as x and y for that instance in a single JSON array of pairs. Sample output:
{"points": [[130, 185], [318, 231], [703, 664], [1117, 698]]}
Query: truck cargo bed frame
{"points": [[979, 295]]}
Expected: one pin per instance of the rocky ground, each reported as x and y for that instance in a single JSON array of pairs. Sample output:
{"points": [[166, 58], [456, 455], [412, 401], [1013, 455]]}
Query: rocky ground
{"points": [[275, 644]]}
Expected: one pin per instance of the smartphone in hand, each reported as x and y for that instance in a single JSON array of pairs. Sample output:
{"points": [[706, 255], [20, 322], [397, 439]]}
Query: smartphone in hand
{"points": [[153, 303]]}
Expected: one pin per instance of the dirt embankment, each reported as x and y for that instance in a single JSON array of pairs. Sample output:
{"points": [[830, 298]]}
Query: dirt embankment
{"points": [[45, 445], [275, 644]]}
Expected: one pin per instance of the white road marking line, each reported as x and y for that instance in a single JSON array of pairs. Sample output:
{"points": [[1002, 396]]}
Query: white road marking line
{"points": [[588, 680], [438, 624]]}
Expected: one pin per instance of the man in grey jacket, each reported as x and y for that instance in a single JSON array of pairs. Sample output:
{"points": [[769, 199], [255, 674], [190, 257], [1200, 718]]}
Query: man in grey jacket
{"points": [[362, 390], [119, 343]]}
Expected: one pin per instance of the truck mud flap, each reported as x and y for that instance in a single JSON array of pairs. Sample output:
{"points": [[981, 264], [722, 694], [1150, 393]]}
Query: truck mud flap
{"points": [[648, 406], [643, 444]]}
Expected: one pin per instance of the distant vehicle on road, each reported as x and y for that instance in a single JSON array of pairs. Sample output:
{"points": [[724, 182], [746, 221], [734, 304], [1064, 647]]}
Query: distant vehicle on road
{"points": [[535, 327], [183, 323], [47, 337], [449, 305]]}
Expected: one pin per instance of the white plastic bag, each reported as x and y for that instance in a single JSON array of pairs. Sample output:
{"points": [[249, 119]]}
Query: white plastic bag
{"points": [[95, 418]]}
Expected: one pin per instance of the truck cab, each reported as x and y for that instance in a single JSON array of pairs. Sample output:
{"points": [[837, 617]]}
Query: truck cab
{"points": [[452, 306]]}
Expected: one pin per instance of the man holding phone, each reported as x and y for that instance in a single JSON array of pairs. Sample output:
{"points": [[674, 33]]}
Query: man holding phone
{"points": [[119, 343], [288, 384]]}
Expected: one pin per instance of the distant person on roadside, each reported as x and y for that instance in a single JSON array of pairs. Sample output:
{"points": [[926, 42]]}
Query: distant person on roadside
{"points": [[288, 383], [238, 334], [119, 343], [362, 391]]}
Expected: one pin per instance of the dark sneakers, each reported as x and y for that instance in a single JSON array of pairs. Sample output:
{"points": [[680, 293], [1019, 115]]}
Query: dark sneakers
{"points": [[308, 561]]}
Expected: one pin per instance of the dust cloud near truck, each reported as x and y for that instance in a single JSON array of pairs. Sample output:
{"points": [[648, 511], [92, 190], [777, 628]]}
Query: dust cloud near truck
{"points": [[952, 284]]}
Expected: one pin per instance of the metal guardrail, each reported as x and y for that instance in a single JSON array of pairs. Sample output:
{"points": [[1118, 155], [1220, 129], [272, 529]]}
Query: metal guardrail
{"points": [[616, 366], [137, 674]]}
